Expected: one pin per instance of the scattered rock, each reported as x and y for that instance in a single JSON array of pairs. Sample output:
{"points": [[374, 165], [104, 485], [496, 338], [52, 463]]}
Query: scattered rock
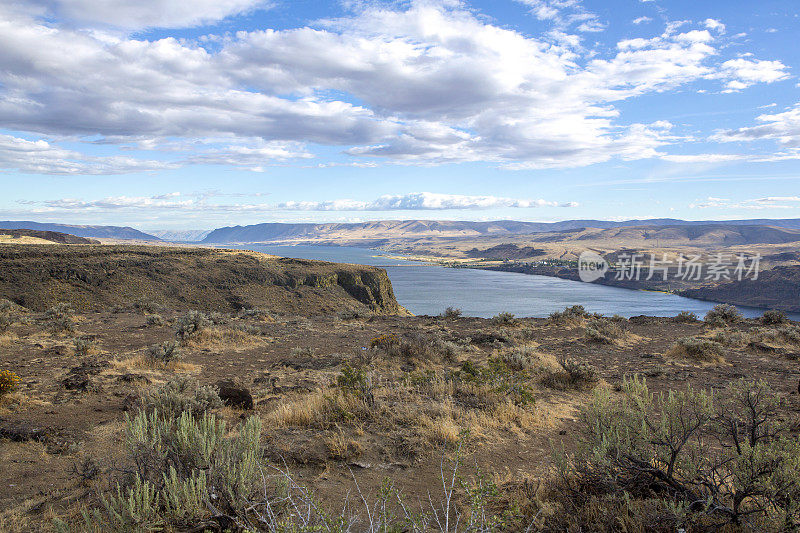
{"points": [[77, 379], [21, 432], [235, 394], [57, 350], [133, 378]]}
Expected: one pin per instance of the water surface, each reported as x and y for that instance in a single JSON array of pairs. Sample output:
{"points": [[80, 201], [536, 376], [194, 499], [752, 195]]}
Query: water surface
{"points": [[426, 289]]}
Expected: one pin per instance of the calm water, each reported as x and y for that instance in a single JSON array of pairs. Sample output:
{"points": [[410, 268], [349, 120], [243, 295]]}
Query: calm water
{"points": [[428, 289]]}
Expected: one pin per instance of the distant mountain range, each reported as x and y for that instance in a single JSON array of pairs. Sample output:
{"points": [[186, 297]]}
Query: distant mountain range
{"points": [[181, 235], [92, 232], [415, 229]]}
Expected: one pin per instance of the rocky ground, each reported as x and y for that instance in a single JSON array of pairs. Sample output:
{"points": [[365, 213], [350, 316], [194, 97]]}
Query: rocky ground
{"points": [[345, 398]]}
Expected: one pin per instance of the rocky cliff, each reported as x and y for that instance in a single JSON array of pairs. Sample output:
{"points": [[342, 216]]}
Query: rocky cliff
{"points": [[99, 277]]}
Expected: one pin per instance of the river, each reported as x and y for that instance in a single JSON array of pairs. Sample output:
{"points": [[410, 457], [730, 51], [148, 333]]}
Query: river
{"points": [[426, 289]]}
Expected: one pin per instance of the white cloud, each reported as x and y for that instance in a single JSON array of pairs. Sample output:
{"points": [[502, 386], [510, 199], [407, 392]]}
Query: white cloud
{"points": [[756, 204], [641, 20], [41, 157], [783, 127], [422, 201], [713, 24], [462, 89], [200, 203], [140, 14], [743, 73], [565, 14]]}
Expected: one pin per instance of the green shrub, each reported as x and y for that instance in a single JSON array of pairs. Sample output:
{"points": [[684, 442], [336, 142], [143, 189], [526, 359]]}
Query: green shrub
{"points": [[191, 324], [59, 318], [178, 396], [7, 319], [687, 317], [602, 331], [773, 317], [518, 358], [155, 320], [574, 312], [165, 352], [85, 345], [723, 314], [724, 461], [504, 319], [451, 312]]}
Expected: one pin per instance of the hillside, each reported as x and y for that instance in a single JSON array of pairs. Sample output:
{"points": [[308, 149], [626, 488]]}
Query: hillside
{"points": [[387, 230], [92, 232], [777, 288], [99, 277], [37, 237]]}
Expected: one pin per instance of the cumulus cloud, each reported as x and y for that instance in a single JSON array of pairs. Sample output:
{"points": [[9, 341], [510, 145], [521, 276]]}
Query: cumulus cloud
{"points": [[463, 89], [641, 20], [422, 201], [41, 157], [142, 14], [200, 202]]}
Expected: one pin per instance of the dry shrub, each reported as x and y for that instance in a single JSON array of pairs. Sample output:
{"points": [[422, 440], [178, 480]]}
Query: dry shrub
{"points": [[686, 317], [572, 374], [773, 317], [723, 315], [145, 362], [697, 349]]}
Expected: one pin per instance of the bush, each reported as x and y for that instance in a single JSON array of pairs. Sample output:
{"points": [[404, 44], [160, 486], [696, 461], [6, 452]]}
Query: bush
{"points": [[85, 345], [451, 312], [504, 319], [723, 314], [60, 319], [165, 352], [687, 317], [9, 382], [602, 331], [668, 446], [699, 349], [518, 358], [7, 319], [574, 312], [574, 375], [191, 324], [179, 395], [773, 317], [180, 466], [155, 320]]}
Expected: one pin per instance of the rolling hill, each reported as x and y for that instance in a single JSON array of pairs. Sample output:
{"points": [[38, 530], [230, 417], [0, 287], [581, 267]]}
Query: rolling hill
{"points": [[92, 232]]}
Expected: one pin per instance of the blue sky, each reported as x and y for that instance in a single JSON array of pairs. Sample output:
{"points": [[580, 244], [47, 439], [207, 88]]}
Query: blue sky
{"points": [[165, 114]]}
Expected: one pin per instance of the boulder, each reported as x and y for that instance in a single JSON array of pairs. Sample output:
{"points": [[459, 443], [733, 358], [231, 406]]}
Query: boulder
{"points": [[235, 394]]}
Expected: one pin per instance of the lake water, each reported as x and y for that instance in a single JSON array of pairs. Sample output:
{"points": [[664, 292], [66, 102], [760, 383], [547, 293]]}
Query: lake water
{"points": [[426, 289]]}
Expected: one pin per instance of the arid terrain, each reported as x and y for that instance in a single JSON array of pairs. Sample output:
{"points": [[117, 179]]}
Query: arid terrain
{"points": [[355, 403]]}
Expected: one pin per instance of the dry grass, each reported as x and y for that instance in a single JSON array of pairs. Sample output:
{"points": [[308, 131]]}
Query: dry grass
{"points": [[320, 409], [8, 338], [144, 363], [221, 339], [700, 350], [341, 447]]}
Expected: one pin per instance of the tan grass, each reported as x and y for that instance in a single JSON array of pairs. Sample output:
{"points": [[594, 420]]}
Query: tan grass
{"points": [[221, 339], [320, 408], [145, 363]]}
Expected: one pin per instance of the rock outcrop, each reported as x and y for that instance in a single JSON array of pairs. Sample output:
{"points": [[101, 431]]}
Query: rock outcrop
{"points": [[99, 277]]}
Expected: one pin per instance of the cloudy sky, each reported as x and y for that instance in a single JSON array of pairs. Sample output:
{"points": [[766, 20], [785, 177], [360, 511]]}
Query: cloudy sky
{"points": [[168, 114]]}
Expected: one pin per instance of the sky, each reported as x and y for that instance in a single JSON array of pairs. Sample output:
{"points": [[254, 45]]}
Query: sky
{"points": [[168, 114]]}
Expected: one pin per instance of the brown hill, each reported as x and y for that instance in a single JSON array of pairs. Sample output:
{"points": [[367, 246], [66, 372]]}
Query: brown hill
{"points": [[98, 277], [776, 288], [51, 236]]}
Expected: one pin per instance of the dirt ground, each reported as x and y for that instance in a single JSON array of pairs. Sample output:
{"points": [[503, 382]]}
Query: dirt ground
{"points": [[70, 406]]}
